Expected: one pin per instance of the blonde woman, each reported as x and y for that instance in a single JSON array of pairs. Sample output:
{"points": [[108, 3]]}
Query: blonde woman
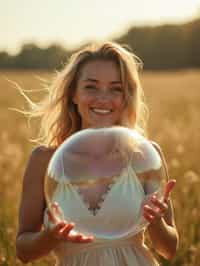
{"points": [[99, 87]]}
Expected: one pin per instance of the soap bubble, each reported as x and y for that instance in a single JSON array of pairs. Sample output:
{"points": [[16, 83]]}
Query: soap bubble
{"points": [[93, 158]]}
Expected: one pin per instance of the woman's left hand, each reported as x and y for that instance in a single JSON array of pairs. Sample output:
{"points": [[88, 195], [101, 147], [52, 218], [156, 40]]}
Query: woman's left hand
{"points": [[155, 208]]}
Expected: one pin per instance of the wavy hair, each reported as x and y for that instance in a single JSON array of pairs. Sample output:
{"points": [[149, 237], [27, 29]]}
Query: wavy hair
{"points": [[59, 115]]}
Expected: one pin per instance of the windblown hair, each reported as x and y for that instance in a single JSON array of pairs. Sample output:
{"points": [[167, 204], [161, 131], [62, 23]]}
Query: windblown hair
{"points": [[59, 115]]}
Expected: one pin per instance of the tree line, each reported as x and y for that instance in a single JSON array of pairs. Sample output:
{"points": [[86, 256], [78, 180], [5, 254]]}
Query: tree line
{"points": [[159, 47]]}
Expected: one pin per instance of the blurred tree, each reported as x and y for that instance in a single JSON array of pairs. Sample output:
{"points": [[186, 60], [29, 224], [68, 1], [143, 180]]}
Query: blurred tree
{"points": [[55, 56], [194, 43], [6, 60], [160, 47], [32, 56]]}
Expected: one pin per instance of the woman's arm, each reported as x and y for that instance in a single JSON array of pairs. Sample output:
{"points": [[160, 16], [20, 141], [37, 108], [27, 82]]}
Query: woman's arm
{"points": [[32, 242], [162, 229]]}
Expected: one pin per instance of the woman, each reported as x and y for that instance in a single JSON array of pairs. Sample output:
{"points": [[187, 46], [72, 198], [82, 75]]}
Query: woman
{"points": [[99, 87]]}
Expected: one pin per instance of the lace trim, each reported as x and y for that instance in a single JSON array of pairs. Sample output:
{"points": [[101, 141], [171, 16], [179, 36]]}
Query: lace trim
{"points": [[94, 211]]}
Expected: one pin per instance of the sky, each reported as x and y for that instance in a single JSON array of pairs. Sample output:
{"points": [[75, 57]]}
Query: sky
{"points": [[74, 22]]}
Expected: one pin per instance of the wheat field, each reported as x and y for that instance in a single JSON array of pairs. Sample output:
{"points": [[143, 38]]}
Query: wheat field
{"points": [[174, 102]]}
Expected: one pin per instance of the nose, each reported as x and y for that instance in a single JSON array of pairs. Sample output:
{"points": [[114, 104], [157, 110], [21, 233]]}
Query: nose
{"points": [[103, 95]]}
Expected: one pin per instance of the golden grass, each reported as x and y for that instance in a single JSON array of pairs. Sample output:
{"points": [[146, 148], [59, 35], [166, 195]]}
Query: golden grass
{"points": [[174, 102]]}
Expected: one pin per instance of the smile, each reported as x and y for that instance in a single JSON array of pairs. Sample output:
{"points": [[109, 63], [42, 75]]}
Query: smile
{"points": [[101, 111]]}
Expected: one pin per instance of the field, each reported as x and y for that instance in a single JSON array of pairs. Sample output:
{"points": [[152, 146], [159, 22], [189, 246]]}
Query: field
{"points": [[174, 102]]}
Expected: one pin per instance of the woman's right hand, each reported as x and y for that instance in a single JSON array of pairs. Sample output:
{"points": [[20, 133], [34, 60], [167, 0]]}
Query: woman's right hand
{"points": [[60, 229]]}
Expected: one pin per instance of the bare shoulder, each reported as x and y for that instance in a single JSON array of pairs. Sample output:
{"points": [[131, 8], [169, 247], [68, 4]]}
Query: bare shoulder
{"points": [[42, 153], [37, 163]]}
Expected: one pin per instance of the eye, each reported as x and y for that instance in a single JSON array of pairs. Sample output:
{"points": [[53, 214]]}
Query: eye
{"points": [[90, 87], [117, 89]]}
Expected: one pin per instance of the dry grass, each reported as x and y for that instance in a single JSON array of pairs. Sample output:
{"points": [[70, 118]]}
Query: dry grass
{"points": [[174, 102]]}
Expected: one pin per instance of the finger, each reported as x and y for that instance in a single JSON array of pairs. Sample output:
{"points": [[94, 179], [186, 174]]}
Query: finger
{"points": [[56, 214], [51, 216], [86, 239], [74, 236], [62, 231], [59, 230], [148, 217], [159, 204], [58, 210], [66, 229], [155, 213], [56, 229], [168, 188]]}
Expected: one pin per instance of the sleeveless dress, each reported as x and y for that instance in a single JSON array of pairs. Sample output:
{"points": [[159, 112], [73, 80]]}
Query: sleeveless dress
{"points": [[120, 207]]}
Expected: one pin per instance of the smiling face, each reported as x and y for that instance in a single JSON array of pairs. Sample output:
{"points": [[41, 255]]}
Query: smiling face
{"points": [[99, 94]]}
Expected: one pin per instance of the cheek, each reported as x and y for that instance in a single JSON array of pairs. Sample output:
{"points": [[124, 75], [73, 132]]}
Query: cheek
{"points": [[83, 99], [120, 102], [86, 101]]}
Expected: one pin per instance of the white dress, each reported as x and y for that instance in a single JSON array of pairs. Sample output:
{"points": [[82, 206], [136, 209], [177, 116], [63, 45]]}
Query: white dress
{"points": [[119, 208]]}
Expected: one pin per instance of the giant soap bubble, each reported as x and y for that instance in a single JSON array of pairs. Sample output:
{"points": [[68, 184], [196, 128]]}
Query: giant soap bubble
{"points": [[93, 158]]}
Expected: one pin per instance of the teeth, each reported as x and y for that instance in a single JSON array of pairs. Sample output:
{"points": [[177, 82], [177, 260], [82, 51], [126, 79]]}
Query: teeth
{"points": [[101, 111]]}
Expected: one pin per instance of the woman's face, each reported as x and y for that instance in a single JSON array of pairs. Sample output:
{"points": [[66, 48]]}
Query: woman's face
{"points": [[99, 94]]}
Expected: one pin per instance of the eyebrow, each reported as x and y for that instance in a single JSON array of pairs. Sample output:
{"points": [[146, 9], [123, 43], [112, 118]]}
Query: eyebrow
{"points": [[96, 81]]}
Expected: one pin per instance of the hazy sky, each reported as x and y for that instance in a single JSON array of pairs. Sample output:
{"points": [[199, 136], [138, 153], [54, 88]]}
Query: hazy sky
{"points": [[72, 22]]}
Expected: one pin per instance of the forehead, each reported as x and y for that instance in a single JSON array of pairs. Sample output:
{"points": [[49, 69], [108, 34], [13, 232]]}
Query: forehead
{"points": [[100, 69]]}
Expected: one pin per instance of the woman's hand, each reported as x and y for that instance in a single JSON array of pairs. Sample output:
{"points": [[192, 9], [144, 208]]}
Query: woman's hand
{"points": [[62, 230], [155, 208]]}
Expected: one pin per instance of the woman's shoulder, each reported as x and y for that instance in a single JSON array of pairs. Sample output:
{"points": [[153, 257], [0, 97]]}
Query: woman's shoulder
{"points": [[43, 150], [42, 153], [37, 164]]}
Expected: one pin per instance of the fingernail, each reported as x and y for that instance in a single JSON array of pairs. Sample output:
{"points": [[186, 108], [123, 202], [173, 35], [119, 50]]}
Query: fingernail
{"points": [[72, 224], [153, 199]]}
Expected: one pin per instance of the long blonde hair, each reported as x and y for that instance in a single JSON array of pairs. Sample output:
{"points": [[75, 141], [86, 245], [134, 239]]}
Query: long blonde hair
{"points": [[59, 116]]}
